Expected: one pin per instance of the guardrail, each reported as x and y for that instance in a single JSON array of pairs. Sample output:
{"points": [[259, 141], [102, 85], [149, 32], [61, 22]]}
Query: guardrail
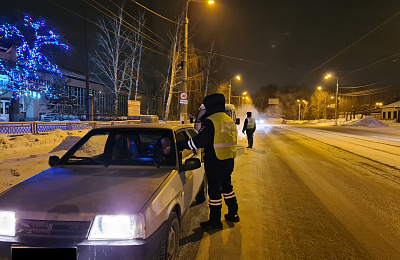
{"points": [[16, 128]]}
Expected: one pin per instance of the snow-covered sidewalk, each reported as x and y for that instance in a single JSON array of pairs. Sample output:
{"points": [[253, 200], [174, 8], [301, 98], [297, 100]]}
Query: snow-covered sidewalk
{"points": [[23, 156]]}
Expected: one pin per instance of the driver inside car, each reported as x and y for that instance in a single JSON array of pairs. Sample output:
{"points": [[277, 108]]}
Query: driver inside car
{"points": [[161, 149]]}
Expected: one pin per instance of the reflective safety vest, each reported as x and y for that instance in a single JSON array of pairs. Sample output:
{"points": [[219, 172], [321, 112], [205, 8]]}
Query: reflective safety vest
{"points": [[250, 123], [225, 136]]}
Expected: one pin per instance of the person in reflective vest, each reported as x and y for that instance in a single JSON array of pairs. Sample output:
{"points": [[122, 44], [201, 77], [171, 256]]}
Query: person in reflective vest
{"points": [[250, 127], [218, 137]]}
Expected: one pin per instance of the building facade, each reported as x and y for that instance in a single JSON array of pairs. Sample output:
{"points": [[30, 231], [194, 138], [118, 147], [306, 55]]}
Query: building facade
{"points": [[391, 111], [71, 103]]}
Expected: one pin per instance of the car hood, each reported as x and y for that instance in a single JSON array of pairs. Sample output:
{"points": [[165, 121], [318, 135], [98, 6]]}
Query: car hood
{"points": [[79, 193]]}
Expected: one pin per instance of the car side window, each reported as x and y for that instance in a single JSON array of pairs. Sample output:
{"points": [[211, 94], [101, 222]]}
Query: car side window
{"points": [[192, 133], [183, 136]]}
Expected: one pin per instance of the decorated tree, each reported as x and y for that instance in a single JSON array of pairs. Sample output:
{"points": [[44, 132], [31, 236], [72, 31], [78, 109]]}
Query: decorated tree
{"points": [[24, 77]]}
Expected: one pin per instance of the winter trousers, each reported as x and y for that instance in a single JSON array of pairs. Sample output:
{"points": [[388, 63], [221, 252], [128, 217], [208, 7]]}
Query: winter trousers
{"points": [[219, 183]]}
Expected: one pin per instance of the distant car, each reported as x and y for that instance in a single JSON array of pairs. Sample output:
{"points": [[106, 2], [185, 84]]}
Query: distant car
{"points": [[261, 122], [284, 121], [119, 193]]}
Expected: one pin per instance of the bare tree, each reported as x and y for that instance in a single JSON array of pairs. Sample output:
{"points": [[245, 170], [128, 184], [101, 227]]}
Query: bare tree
{"points": [[175, 59], [224, 88], [211, 65], [195, 80], [195, 75], [318, 104], [113, 58], [136, 46]]}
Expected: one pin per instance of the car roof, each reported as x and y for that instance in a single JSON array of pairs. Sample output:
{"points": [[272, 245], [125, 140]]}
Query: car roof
{"points": [[159, 126]]}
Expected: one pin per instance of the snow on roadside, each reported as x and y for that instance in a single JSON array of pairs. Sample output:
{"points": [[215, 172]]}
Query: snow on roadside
{"points": [[10, 144], [369, 121], [25, 155]]}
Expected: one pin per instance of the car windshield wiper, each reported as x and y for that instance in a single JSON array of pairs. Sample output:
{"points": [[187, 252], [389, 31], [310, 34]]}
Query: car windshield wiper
{"points": [[90, 159]]}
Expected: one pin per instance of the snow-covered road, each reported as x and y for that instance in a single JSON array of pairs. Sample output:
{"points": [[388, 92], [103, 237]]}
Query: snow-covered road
{"points": [[304, 193], [303, 198]]}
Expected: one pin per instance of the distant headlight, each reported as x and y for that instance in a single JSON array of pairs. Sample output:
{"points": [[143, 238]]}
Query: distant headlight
{"points": [[116, 227], [7, 223], [261, 121]]}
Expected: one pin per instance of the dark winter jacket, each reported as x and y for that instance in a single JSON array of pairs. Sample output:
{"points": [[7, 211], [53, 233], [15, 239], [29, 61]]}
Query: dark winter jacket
{"points": [[213, 103]]}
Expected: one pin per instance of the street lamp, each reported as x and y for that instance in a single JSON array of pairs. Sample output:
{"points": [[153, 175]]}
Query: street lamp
{"points": [[243, 94], [337, 91], [230, 88], [318, 97], [298, 101], [183, 115]]}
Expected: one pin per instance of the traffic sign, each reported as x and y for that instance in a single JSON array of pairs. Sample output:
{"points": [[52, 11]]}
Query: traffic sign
{"points": [[183, 96]]}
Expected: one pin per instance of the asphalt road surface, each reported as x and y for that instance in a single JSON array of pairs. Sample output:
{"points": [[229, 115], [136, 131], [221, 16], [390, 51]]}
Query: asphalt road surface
{"points": [[307, 194]]}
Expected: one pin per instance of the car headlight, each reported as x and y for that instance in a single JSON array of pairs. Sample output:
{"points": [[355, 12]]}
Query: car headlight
{"points": [[117, 227], [7, 223]]}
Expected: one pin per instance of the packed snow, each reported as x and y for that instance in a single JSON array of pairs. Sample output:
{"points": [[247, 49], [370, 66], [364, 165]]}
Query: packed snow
{"points": [[25, 155], [369, 122]]}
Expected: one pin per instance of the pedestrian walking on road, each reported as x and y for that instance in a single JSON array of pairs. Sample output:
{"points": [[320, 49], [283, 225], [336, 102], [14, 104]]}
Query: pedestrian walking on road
{"points": [[250, 127], [218, 137]]}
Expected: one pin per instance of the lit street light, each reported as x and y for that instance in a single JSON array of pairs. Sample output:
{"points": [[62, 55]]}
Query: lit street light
{"points": [[230, 88], [319, 88], [298, 101], [243, 94], [337, 91], [183, 115]]}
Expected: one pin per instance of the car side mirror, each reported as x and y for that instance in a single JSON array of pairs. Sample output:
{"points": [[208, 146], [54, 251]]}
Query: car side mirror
{"points": [[237, 121], [191, 164], [53, 160]]}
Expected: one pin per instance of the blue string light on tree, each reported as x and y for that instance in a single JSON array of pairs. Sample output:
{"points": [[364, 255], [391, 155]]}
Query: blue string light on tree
{"points": [[24, 77]]}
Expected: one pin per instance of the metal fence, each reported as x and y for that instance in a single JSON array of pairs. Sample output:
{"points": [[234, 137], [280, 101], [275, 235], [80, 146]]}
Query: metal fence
{"points": [[16, 128]]}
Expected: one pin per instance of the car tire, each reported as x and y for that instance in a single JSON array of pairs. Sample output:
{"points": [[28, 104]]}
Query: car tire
{"points": [[201, 195], [170, 245]]}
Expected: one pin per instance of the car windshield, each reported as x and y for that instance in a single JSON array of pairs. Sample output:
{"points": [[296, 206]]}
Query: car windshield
{"points": [[124, 147]]}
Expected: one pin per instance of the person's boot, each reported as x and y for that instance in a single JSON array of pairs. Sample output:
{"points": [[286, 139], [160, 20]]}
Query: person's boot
{"points": [[215, 218], [211, 224], [233, 207], [232, 217]]}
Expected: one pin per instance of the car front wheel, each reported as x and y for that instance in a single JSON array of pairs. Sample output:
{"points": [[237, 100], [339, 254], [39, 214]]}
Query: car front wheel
{"points": [[170, 245]]}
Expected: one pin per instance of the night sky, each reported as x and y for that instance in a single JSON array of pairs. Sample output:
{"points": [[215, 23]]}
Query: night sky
{"points": [[268, 41]]}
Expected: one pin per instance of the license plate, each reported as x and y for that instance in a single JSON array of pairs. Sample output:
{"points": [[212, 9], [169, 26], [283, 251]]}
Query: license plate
{"points": [[43, 253]]}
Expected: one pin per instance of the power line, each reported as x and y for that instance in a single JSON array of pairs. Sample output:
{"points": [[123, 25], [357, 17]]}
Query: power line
{"points": [[372, 64], [351, 45], [139, 22], [361, 86], [106, 28], [155, 12], [367, 92], [241, 59], [137, 31]]}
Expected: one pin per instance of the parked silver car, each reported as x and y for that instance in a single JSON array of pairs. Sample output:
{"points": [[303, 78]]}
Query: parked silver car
{"points": [[119, 193]]}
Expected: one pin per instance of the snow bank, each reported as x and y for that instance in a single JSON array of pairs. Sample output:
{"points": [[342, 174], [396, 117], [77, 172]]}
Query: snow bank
{"points": [[369, 121], [29, 140]]}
